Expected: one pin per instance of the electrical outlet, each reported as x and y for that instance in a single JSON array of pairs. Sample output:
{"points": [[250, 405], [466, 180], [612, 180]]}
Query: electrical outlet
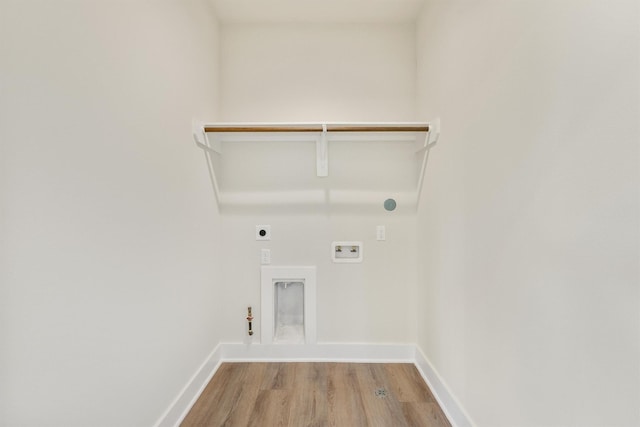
{"points": [[381, 232], [263, 232], [265, 256]]}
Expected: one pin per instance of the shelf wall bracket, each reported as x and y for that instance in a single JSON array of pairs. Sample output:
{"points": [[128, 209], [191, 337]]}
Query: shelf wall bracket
{"points": [[429, 141], [202, 140], [434, 133], [322, 153]]}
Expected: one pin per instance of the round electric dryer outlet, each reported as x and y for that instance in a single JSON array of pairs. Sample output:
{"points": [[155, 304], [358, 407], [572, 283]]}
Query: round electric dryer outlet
{"points": [[263, 232]]}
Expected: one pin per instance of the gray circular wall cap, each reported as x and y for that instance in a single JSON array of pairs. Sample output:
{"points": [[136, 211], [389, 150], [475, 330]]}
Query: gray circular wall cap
{"points": [[389, 204]]}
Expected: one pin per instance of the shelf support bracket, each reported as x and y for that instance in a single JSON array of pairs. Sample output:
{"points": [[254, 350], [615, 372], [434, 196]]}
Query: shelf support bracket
{"points": [[202, 140], [434, 133], [322, 153], [429, 141]]}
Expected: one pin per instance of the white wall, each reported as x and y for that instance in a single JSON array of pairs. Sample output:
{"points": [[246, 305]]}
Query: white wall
{"points": [[529, 227], [364, 303], [109, 229], [316, 72]]}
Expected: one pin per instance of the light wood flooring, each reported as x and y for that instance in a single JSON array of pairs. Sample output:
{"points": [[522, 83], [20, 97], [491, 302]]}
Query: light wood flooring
{"points": [[316, 394]]}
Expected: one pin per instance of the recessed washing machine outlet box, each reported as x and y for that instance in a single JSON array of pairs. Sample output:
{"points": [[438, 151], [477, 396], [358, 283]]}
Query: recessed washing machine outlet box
{"points": [[346, 251], [263, 232]]}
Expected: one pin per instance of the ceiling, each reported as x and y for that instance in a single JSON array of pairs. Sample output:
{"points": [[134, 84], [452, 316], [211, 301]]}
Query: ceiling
{"points": [[317, 11]]}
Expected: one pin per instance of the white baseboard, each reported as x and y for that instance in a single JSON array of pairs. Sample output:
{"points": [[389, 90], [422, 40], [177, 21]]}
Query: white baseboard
{"points": [[333, 352], [327, 352], [181, 405], [452, 408]]}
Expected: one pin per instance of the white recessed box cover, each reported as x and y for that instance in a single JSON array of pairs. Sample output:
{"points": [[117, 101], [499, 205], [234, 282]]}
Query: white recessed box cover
{"points": [[346, 252]]}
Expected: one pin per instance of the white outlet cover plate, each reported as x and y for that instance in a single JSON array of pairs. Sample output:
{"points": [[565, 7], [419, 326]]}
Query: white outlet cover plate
{"points": [[265, 256], [267, 232]]}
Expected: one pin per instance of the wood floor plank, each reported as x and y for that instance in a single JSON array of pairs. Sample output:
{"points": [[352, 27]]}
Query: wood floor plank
{"points": [[382, 409], [345, 401], [243, 407], [277, 376], [218, 399], [271, 409], [407, 384], [309, 405], [316, 395], [427, 414]]}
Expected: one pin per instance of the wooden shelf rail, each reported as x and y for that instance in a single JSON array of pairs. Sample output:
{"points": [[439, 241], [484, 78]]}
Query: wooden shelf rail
{"points": [[314, 128]]}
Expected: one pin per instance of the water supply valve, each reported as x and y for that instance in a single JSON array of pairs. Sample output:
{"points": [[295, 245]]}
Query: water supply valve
{"points": [[250, 320]]}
